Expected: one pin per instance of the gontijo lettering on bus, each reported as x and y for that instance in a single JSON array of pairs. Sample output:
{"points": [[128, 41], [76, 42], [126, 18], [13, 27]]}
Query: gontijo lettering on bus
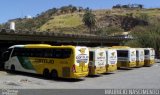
{"points": [[82, 57], [44, 61]]}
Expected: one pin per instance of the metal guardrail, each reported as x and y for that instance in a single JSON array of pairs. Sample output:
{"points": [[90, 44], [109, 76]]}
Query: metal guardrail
{"points": [[44, 35]]}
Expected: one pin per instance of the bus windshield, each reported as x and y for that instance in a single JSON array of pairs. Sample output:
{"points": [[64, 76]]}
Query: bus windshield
{"points": [[122, 53], [146, 52]]}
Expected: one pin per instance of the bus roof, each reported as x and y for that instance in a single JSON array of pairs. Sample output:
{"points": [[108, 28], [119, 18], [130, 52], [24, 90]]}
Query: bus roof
{"points": [[121, 47], [16, 46], [42, 46]]}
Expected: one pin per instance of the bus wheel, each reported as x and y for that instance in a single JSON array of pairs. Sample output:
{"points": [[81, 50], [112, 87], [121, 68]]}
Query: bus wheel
{"points": [[54, 74], [12, 68], [46, 73]]}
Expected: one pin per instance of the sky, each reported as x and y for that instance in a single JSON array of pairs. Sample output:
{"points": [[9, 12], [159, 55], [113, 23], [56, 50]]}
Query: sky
{"points": [[11, 9]]}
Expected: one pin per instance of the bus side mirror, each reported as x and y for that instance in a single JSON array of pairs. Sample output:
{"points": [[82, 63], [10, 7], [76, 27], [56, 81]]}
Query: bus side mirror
{"points": [[5, 56]]}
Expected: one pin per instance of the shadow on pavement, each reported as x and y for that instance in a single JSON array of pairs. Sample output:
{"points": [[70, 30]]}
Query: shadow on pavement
{"points": [[93, 76], [109, 73], [41, 77], [125, 68]]}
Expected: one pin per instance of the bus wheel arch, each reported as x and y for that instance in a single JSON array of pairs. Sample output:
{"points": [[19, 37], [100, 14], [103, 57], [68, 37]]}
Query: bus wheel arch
{"points": [[46, 73], [54, 74]]}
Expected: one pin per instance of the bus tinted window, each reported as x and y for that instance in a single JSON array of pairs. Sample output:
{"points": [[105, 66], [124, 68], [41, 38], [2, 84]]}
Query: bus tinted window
{"points": [[62, 53], [122, 53], [137, 53], [91, 56], [146, 52], [43, 52]]}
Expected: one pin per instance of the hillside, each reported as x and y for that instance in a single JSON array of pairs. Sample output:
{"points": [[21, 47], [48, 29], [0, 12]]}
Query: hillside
{"points": [[120, 18], [68, 19], [63, 23]]}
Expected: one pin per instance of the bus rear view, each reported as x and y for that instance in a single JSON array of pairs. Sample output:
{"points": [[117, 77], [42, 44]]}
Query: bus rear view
{"points": [[111, 60], [97, 61], [80, 67], [126, 57], [149, 56]]}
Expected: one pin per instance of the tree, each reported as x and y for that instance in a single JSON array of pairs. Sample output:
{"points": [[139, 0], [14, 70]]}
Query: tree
{"points": [[89, 19], [117, 6], [109, 31], [147, 36], [73, 9], [0, 26], [140, 6]]}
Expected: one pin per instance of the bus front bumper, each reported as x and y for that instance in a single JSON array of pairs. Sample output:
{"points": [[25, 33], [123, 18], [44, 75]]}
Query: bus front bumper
{"points": [[111, 68], [149, 62], [126, 64], [97, 70], [79, 75], [139, 63]]}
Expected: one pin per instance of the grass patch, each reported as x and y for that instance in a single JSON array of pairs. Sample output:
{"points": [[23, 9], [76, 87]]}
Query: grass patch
{"points": [[63, 21]]}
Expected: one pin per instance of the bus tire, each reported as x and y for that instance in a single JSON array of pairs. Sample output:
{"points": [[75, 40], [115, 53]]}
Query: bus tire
{"points": [[12, 68], [46, 73], [54, 74]]}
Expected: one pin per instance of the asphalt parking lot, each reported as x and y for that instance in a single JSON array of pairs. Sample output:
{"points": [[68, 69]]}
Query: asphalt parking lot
{"points": [[144, 77]]}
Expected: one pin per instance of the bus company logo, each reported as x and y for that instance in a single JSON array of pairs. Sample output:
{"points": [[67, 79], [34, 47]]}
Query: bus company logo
{"points": [[101, 54], [132, 53], [82, 50], [142, 53], [113, 54]]}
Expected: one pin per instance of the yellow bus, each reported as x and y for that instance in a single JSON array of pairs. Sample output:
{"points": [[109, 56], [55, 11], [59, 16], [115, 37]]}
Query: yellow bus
{"points": [[126, 56], [97, 61], [149, 56], [50, 61], [139, 57], [111, 59]]}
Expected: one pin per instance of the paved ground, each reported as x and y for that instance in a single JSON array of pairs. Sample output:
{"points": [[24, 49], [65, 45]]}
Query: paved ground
{"points": [[145, 77]]}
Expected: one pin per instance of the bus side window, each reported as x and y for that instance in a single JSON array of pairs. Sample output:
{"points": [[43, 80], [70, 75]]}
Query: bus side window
{"points": [[48, 53], [57, 53], [66, 53], [62, 53], [91, 56]]}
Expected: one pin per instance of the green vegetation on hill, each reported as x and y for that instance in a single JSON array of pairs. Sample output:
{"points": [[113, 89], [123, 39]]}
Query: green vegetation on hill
{"points": [[68, 19], [62, 21], [142, 24]]}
